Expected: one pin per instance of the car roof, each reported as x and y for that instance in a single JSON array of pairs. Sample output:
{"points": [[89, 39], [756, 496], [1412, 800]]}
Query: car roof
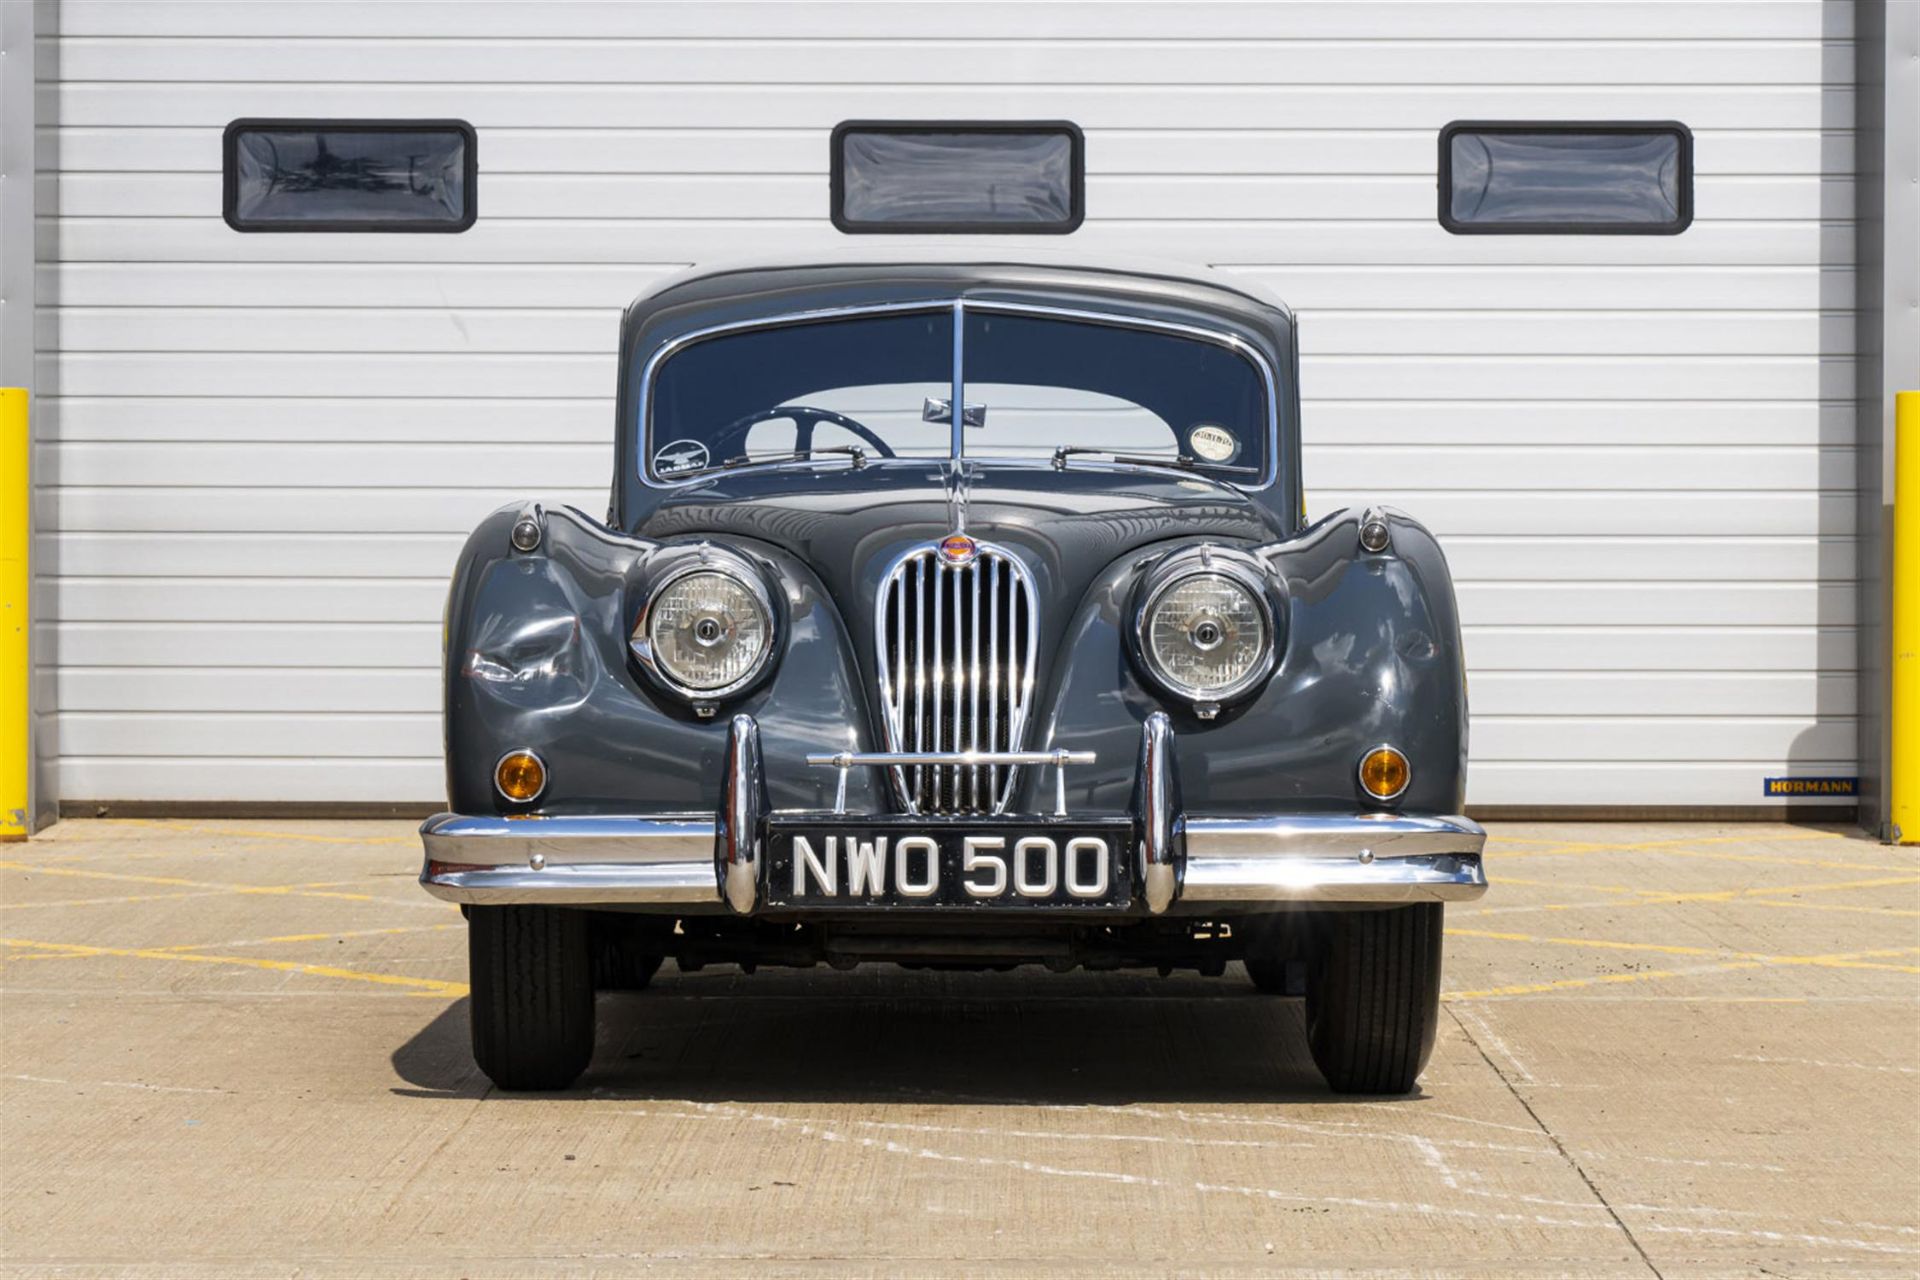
{"points": [[713, 299], [869, 277], [986, 263]]}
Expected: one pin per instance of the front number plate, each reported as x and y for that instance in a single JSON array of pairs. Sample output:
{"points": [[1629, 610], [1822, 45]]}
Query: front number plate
{"points": [[918, 862]]}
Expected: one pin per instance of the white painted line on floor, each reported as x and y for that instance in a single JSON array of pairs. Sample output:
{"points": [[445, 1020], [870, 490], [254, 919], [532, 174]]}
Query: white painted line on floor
{"points": [[115, 1084], [1493, 1041]]}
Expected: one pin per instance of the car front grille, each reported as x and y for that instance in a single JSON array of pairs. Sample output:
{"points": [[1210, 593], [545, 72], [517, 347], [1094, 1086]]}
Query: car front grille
{"points": [[956, 645]]}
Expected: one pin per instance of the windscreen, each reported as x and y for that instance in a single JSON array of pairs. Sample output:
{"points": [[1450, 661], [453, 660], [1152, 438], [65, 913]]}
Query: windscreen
{"points": [[1041, 383], [862, 381], [882, 383]]}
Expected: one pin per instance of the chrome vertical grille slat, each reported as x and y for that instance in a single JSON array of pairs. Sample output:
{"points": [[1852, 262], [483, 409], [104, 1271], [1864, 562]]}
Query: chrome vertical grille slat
{"points": [[993, 672], [939, 741], [919, 665], [973, 690], [948, 639]]}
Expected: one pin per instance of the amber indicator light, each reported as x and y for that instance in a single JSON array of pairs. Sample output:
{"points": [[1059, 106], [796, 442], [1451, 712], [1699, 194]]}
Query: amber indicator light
{"points": [[1384, 773], [520, 776]]}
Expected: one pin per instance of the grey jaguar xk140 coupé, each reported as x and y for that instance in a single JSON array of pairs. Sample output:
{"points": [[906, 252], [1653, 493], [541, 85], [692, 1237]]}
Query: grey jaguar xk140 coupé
{"points": [[1062, 677]]}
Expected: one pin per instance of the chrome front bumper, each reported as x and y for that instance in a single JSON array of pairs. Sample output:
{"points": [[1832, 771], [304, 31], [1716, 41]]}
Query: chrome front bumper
{"points": [[1186, 864], [1230, 864]]}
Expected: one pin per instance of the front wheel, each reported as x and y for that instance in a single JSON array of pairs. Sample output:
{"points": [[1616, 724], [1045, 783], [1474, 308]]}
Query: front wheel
{"points": [[1373, 998], [532, 1004]]}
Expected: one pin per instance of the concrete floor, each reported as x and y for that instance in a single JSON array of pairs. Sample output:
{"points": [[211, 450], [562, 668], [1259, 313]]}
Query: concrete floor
{"points": [[240, 1047]]}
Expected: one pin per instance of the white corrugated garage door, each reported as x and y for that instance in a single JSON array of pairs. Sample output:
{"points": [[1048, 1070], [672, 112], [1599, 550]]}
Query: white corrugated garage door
{"points": [[259, 454]]}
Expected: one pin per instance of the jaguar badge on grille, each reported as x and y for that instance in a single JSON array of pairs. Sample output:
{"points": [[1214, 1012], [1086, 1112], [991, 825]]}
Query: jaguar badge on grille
{"points": [[958, 549]]}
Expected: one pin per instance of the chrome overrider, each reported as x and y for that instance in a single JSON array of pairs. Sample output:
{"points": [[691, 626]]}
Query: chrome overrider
{"points": [[1187, 864]]}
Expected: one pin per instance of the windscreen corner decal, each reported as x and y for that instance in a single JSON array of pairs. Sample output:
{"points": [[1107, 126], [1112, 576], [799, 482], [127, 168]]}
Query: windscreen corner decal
{"points": [[680, 457]]}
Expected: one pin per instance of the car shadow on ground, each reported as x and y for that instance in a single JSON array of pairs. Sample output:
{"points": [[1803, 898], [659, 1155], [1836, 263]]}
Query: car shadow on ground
{"points": [[891, 1036]]}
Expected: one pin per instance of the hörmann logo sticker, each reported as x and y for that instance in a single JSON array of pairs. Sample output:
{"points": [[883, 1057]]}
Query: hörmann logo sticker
{"points": [[1812, 787]]}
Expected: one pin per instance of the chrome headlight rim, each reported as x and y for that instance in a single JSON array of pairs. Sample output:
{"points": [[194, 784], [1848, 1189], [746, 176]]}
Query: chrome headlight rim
{"points": [[1207, 560], [724, 563]]}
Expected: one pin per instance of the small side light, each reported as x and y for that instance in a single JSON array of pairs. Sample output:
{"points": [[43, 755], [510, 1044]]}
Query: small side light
{"points": [[520, 776], [1375, 534], [526, 534], [1384, 773]]}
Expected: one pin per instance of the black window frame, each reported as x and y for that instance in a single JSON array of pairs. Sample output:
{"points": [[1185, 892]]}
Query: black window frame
{"points": [[1076, 181], [230, 174], [1683, 204]]}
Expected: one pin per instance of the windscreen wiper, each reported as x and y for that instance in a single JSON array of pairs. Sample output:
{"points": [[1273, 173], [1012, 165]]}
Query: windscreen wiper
{"points": [[1181, 463], [852, 451]]}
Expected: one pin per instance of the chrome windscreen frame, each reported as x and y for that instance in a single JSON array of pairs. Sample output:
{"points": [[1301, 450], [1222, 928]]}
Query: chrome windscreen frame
{"points": [[643, 397]]}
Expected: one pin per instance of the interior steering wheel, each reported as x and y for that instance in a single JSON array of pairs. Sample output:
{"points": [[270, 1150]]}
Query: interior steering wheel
{"points": [[805, 418]]}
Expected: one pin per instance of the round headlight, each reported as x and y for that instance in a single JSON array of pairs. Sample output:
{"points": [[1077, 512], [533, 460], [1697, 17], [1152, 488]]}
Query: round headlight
{"points": [[1207, 636], [708, 631]]}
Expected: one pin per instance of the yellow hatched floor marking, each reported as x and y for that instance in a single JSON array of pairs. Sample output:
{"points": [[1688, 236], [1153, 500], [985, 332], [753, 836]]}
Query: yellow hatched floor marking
{"points": [[262, 942], [120, 900], [1541, 845], [1764, 859], [255, 834], [315, 937], [422, 986], [1849, 960], [181, 882], [129, 850], [1764, 895], [1839, 960], [1762, 892], [1832, 906], [1566, 984], [118, 856], [1501, 935], [1908, 864], [1667, 842], [1571, 884]]}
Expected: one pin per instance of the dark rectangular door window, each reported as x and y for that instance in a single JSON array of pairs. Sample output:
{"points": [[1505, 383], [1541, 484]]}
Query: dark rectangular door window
{"points": [[1568, 178], [958, 177], [350, 175]]}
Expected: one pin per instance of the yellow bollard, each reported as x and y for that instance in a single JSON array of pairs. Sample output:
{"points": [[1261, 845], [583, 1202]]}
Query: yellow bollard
{"points": [[1904, 768], [16, 675]]}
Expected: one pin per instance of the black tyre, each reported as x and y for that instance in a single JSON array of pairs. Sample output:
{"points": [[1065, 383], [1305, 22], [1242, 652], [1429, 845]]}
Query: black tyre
{"points": [[626, 951], [532, 1001], [1373, 998], [1272, 942]]}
